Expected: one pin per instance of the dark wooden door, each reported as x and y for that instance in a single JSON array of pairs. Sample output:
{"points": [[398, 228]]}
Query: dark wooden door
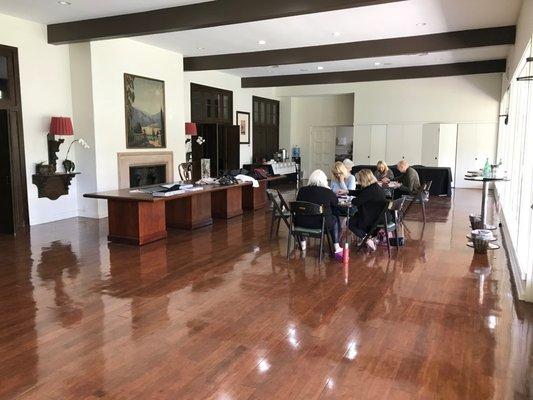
{"points": [[13, 189], [6, 201], [229, 148], [265, 128]]}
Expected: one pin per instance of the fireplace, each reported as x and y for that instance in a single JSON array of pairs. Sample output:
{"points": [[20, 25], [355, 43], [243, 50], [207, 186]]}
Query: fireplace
{"points": [[145, 175], [131, 165]]}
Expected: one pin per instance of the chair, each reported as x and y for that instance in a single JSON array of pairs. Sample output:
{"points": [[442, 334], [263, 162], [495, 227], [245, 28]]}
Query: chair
{"points": [[185, 171], [280, 210], [422, 197], [304, 208], [382, 222]]}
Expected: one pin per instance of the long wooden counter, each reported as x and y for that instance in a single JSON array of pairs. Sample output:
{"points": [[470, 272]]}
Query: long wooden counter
{"points": [[139, 218]]}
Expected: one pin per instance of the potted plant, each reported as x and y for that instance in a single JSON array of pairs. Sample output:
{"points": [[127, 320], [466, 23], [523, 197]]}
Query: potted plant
{"points": [[68, 164], [42, 169]]}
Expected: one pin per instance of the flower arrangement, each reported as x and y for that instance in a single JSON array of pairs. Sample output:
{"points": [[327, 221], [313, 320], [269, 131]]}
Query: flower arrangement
{"points": [[68, 164]]}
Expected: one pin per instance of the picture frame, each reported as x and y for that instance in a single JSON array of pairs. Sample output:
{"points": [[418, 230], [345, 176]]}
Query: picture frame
{"points": [[144, 103], [243, 122]]}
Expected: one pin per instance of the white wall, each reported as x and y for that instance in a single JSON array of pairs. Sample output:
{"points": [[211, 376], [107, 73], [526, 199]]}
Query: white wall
{"points": [[469, 98], [110, 59], [83, 120], [45, 91], [310, 111], [524, 31], [242, 98]]}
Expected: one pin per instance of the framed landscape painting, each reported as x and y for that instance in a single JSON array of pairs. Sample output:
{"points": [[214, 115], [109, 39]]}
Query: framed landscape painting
{"points": [[243, 121], [145, 112]]}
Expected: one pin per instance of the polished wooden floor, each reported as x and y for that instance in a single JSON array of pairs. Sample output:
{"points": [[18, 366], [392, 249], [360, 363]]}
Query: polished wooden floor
{"points": [[220, 313]]}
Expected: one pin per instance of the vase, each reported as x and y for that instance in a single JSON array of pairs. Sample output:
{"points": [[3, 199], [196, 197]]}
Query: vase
{"points": [[69, 166]]}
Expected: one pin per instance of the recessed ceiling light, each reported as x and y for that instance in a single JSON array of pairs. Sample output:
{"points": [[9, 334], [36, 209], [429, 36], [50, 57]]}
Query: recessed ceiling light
{"points": [[262, 42], [320, 68], [377, 64], [64, 3], [421, 24], [336, 34]]}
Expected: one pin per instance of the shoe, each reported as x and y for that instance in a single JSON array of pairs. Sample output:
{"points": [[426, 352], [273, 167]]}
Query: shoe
{"points": [[338, 255], [371, 245], [303, 243]]}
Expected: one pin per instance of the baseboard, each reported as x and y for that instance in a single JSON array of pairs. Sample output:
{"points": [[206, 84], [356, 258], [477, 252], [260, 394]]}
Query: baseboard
{"points": [[519, 283]]}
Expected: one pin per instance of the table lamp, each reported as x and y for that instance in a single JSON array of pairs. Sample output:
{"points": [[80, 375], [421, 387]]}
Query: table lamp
{"points": [[59, 126]]}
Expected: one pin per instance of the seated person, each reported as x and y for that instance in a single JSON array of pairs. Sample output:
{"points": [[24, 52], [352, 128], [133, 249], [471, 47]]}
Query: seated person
{"points": [[341, 179], [383, 173], [317, 191], [409, 180], [349, 164], [368, 206]]}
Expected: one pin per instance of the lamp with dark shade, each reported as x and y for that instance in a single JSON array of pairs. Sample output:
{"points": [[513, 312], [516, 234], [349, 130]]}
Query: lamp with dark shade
{"points": [[190, 129]]}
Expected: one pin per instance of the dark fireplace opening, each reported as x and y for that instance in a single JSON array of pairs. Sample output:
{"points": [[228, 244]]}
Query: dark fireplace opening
{"points": [[145, 175]]}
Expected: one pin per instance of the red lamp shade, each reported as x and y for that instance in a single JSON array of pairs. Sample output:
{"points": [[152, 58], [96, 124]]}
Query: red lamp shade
{"points": [[61, 126], [190, 129]]}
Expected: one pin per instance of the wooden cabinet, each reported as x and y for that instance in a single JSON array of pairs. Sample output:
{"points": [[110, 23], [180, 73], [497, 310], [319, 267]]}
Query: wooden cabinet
{"points": [[265, 118], [221, 146], [211, 105]]}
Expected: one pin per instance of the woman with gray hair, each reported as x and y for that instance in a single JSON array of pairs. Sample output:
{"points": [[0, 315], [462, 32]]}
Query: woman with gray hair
{"points": [[317, 191]]}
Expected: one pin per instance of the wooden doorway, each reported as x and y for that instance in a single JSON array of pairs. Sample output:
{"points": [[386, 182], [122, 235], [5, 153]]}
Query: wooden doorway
{"points": [[265, 128], [13, 188]]}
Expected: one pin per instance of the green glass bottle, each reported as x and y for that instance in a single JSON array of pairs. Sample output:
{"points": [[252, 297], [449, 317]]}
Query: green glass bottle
{"points": [[486, 169]]}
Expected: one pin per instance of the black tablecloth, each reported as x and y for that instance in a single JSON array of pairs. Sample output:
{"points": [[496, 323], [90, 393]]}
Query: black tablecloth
{"points": [[441, 177]]}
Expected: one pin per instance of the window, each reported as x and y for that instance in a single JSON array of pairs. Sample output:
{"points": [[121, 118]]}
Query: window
{"points": [[515, 142]]}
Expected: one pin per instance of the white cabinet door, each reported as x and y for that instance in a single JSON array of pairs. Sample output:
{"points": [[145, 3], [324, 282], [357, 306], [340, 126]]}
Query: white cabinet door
{"points": [[430, 145], [395, 144], [378, 145], [362, 144], [412, 143], [448, 147]]}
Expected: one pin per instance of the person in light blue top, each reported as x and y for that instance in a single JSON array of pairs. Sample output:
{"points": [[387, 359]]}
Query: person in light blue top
{"points": [[341, 180]]}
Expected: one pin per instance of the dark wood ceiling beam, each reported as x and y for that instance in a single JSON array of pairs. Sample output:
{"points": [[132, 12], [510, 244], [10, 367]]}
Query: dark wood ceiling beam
{"points": [[193, 16], [368, 75], [357, 50]]}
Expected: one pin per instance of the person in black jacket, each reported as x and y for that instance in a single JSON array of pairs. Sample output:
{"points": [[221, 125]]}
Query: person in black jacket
{"points": [[317, 191], [369, 202]]}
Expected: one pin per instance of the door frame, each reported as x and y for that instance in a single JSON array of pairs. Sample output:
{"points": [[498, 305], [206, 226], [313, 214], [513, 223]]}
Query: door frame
{"points": [[19, 188]]}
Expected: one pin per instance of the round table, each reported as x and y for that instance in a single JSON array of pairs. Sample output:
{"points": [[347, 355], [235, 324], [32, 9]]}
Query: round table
{"points": [[485, 196]]}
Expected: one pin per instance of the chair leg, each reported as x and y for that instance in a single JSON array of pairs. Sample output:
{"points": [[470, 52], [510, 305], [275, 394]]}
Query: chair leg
{"points": [[424, 210], [277, 228], [388, 242], [363, 241], [397, 239], [272, 224], [289, 244], [321, 248]]}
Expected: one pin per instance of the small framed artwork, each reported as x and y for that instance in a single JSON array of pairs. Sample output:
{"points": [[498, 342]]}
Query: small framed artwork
{"points": [[243, 121], [145, 112]]}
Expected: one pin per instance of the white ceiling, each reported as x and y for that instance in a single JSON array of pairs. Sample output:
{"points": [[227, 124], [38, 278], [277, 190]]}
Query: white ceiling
{"points": [[50, 12], [407, 18], [441, 57], [365, 23]]}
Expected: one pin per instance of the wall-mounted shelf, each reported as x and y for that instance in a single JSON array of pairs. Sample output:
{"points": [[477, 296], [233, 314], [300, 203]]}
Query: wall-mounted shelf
{"points": [[53, 186]]}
